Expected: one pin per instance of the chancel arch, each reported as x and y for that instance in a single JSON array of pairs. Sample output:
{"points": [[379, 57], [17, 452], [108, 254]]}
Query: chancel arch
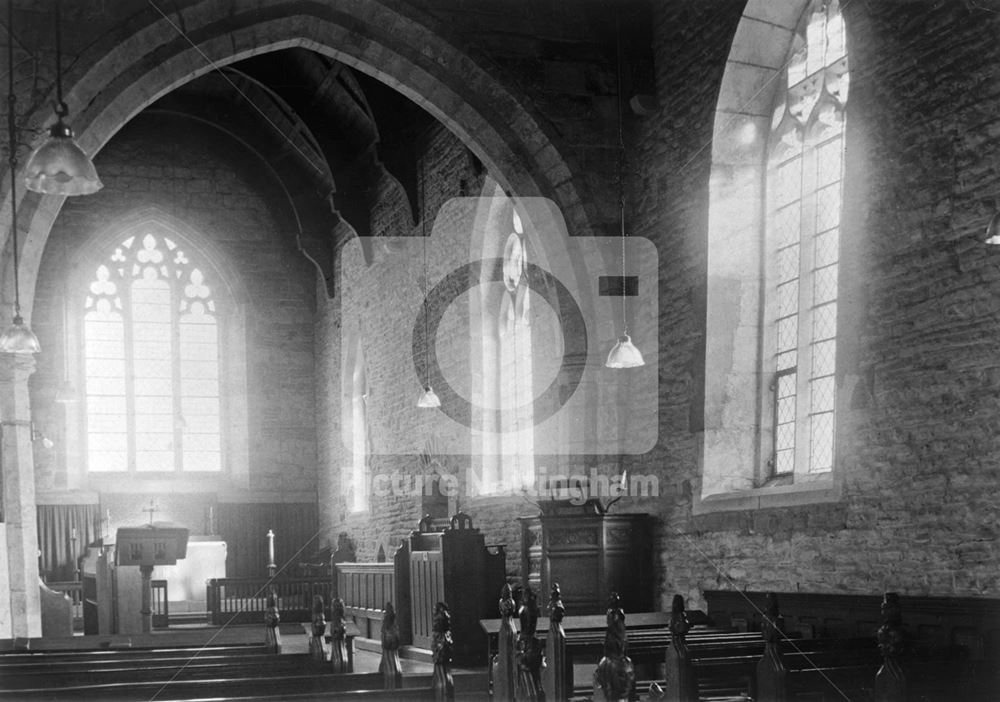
{"points": [[421, 63]]}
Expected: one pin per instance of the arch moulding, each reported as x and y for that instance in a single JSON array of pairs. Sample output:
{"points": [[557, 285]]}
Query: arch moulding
{"points": [[143, 57]]}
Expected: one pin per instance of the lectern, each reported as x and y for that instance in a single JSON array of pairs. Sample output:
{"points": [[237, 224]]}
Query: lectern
{"points": [[159, 543]]}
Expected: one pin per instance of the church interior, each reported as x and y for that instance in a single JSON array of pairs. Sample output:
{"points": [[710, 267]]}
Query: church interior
{"points": [[403, 300]]}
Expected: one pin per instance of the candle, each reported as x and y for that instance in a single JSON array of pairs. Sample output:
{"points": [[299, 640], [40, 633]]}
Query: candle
{"points": [[72, 533], [270, 547]]}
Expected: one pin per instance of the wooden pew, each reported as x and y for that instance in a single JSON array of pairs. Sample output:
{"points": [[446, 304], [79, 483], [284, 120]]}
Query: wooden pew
{"points": [[13, 659], [222, 673], [277, 687], [649, 638], [887, 668]]}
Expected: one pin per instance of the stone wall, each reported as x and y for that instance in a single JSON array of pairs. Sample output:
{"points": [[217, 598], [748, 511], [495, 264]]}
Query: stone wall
{"points": [[916, 447], [915, 442], [170, 167], [917, 453]]}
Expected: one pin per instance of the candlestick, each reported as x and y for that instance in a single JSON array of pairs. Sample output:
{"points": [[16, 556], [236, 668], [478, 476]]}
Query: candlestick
{"points": [[270, 552]]}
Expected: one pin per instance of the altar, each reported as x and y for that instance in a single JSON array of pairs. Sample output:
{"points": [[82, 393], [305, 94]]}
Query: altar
{"points": [[206, 559]]}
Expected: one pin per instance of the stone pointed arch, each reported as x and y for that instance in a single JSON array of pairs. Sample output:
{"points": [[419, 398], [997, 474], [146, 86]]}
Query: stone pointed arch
{"points": [[144, 58]]}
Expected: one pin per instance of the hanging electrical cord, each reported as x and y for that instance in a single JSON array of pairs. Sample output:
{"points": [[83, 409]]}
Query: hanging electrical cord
{"points": [[59, 166], [428, 398], [17, 338], [624, 354]]}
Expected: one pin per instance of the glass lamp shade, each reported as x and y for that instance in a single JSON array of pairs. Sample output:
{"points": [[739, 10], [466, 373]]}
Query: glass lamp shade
{"points": [[993, 230], [429, 398], [17, 338], [59, 166], [624, 354]]}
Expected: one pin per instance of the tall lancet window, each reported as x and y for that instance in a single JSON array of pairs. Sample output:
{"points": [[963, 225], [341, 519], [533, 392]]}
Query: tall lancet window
{"points": [[803, 206], [358, 488], [505, 369], [515, 377], [151, 361]]}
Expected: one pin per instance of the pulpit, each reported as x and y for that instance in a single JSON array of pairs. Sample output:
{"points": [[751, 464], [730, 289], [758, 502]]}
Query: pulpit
{"points": [[591, 554], [156, 544]]}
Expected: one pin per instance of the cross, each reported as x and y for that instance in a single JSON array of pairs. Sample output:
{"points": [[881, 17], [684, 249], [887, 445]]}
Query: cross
{"points": [[151, 509]]}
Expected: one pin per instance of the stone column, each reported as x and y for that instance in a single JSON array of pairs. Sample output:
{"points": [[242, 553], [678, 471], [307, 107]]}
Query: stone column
{"points": [[20, 609]]}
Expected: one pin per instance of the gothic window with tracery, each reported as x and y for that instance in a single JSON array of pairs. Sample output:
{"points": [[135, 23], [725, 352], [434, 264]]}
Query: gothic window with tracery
{"points": [[803, 206], [151, 361]]}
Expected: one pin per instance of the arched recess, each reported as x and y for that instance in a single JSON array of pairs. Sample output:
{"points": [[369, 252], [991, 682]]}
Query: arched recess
{"points": [[144, 58], [233, 299], [731, 456]]}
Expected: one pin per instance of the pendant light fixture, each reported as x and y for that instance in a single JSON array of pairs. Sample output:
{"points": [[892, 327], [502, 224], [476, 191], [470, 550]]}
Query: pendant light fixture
{"points": [[17, 338], [993, 230], [59, 166], [624, 354], [428, 398]]}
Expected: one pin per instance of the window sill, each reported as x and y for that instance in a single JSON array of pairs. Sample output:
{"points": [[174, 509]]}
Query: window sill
{"points": [[804, 493], [159, 482]]}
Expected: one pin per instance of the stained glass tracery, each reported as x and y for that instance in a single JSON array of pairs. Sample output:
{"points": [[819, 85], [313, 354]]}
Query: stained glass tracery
{"points": [[151, 362], [804, 198]]}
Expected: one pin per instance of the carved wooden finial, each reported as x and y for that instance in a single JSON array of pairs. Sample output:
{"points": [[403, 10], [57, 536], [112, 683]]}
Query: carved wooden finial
{"points": [[338, 637], [771, 625], [505, 665], [507, 607], [614, 678], [528, 613], [316, 652], [389, 666], [680, 682], [529, 650], [890, 680], [556, 608], [272, 617], [679, 624], [557, 668], [442, 684], [771, 672], [615, 638], [461, 521]]}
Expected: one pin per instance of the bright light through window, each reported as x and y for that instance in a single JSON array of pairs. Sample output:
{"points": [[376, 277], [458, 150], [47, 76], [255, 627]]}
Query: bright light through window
{"points": [[151, 362], [803, 222]]}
